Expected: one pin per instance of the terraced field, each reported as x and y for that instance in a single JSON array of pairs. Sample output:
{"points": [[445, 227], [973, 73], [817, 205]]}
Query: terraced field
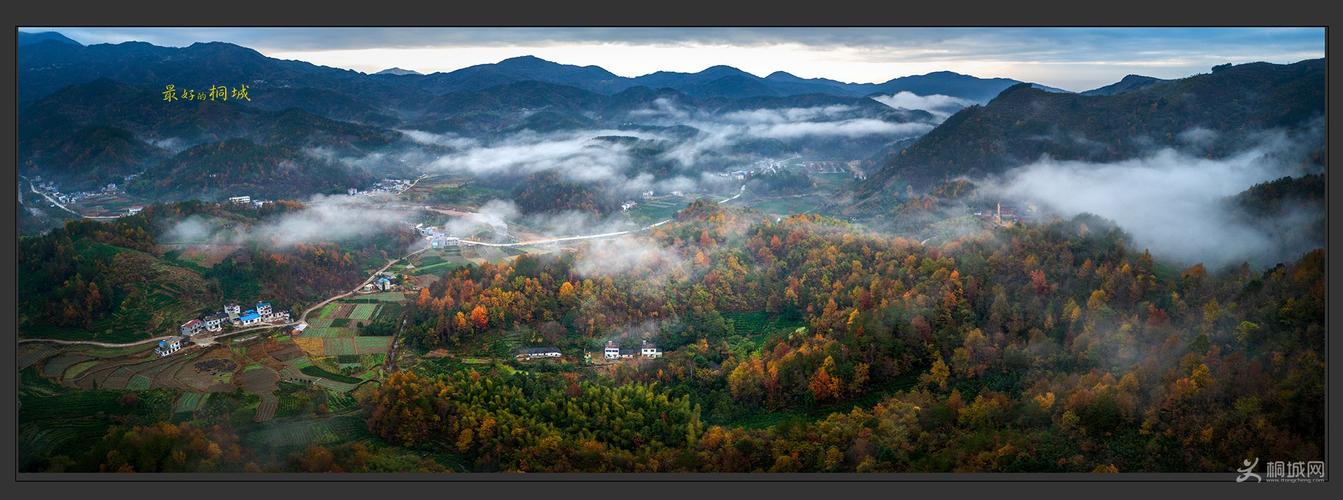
{"points": [[55, 420], [334, 332], [363, 312], [297, 433], [189, 402]]}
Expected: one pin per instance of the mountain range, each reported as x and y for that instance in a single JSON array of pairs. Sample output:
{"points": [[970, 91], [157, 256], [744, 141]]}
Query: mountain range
{"points": [[1211, 114], [94, 114], [50, 61]]}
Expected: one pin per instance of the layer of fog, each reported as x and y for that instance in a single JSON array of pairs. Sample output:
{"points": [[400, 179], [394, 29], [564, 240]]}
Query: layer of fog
{"points": [[322, 219], [941, 106], [595, 157], [635, 256], [719, 132], [1172, 202]]}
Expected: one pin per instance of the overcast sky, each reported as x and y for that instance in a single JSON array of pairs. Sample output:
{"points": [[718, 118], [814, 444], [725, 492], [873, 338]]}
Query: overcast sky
{"points": [[1069, 58]]}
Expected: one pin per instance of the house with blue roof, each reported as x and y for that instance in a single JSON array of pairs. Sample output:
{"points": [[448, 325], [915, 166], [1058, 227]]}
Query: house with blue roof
{"points": [[168, 346], [249, 317]]}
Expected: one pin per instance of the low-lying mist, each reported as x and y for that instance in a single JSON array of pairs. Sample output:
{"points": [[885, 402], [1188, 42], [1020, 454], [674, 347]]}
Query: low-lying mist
{"points": [[941, 106], [1176, 204], [322, 219]]}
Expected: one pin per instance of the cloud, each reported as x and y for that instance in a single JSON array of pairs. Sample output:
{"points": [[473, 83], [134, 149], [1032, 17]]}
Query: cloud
{"points": [[444, 140], [575, 154], [846, 128], [331, 218], [1198, 137], [172, 144], [636, 256], [1171, 202], [720, 132], [941, 106], [322, 219], [786, 115], [494, 216]]}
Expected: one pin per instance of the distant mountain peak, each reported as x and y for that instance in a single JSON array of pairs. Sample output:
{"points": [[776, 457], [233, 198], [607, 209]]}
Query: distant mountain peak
{"points": [[398, 71], [528, 61], [524, 58], [1126, 84], [29, 38], [721, 68]]}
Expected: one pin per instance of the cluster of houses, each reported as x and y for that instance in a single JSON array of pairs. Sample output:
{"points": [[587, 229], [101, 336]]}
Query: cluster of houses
{"points": [[383, 283], [50, 188], [394, 186], [437, 238], [247, 200], [612, 352], [646, 350], [233, 314], [538, 353], [648, 195]]}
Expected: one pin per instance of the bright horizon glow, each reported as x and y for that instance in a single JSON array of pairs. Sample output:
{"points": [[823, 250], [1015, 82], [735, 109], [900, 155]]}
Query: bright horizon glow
{"points": [[1069, 58]]}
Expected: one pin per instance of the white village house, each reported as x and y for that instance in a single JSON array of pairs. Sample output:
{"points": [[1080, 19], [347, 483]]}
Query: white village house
{"points": [[649, 350], [538, 353], [215, 321], [168, 346], [191, 327], [646, 350]]}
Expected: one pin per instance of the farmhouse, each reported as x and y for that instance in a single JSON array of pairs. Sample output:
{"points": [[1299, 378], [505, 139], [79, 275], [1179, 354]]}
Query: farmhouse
{"points": [[538, 353], [215, 322], [249, 318], [383, 283], [168, 346], [240, 200], [646, 350], [443, 241], [263, 309], [134, 210], [650, 350], [192, 327]]}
